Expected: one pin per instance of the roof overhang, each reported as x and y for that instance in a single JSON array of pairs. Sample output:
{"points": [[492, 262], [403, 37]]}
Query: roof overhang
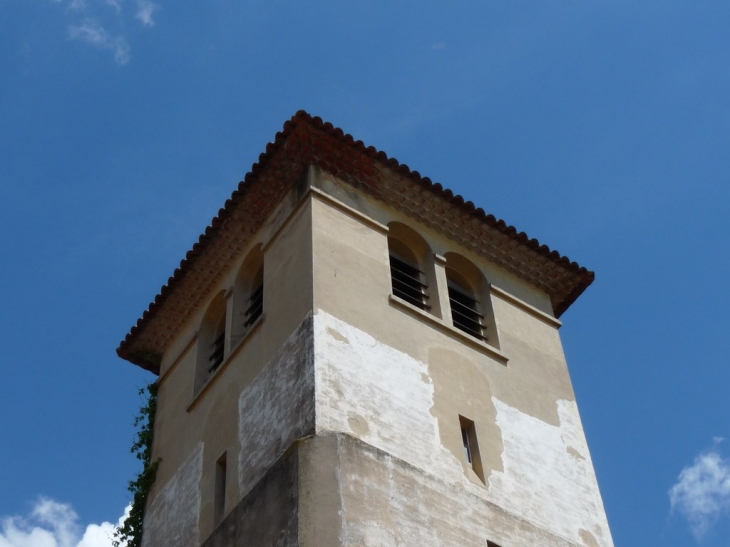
{"points": [[307, 140]]}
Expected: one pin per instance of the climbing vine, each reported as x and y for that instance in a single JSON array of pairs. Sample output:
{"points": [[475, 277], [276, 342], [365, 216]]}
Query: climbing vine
{"points": [[129, 533]]}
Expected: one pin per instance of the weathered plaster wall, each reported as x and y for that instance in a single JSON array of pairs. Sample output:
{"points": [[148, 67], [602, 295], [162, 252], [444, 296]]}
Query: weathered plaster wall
{"points": [[378, 394], [320, 498], [185, 418], [537, 472], [332, 490], [399, 382], [396, 384], [268, 516], [537, 373], [352, 282], [277, 408], [548, 475], [388, 503], [171, 519]]}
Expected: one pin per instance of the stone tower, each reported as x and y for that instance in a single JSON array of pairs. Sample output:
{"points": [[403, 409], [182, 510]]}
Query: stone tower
{"points": [[352, 355]]}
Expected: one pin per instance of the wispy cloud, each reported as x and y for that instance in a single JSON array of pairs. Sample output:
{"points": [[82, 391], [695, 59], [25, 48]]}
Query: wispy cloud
{"points": [[145, 11], [702, 492], [93, 33], [103, 23], [116, 4], [54, 524], [78, 5]]}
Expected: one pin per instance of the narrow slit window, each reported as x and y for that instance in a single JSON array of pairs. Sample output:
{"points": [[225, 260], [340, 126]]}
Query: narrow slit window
{"points": [[219, 507], [465, 311], [467, 446], [471, 446], [408, 283]]}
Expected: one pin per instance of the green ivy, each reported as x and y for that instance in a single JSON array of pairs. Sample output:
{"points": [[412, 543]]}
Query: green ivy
{"points": [[130, 532]]}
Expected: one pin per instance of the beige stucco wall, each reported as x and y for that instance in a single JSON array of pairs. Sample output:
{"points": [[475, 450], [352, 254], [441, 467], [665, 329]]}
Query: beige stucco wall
{"points": [[377, 211], [398, 378], [386, 374], [208, 420], [386, 503]]}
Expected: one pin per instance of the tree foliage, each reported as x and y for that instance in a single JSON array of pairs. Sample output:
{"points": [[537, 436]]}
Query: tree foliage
{"points": [[129, 534]]}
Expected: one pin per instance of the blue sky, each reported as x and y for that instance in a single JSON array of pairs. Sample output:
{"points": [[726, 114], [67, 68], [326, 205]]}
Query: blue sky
{"points": [[601, 127]]}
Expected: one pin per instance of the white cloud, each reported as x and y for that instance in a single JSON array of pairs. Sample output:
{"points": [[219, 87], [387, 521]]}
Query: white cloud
{"points": [[77, 5], [93, 33], [54, 524], [145, 10], [702, 492], [97, 535], [116, 4], [90, 19]]}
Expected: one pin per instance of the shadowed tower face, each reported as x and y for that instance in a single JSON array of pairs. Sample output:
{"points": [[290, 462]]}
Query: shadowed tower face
{"points": [[353, 356]]}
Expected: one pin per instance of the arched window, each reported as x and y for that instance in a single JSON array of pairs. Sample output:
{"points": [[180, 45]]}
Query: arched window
{"points": [[211, 339], [217, 348], [406, 276], [255, 301], [469, 299], [411, 267], [248, 295], [465, 308]]}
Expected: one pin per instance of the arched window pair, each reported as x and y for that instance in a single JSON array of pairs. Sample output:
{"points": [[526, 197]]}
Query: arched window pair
{"points": [[413, 274], [215, 338]]}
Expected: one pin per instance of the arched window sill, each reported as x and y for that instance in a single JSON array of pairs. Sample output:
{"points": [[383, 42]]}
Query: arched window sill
{"points": [[485, 348], [213, 378]]}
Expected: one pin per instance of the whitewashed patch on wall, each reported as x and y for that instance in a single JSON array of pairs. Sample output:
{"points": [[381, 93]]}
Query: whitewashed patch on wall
{"points": [[171, 519], [548, 475], [384, 397], [387, 503], [378, 394]]}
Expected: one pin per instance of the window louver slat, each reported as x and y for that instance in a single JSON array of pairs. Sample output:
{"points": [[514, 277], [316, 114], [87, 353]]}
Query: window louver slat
{"points": [[255, 308], [407, 284], [464, 314], [216, 355]]}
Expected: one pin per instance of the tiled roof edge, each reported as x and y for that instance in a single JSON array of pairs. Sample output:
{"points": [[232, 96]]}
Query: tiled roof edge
{"points": [[438, 189], [223, 214], [303, 117]]}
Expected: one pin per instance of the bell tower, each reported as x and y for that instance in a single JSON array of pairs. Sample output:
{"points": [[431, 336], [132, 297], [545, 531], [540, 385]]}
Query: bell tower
{"points": [[352, 355]]}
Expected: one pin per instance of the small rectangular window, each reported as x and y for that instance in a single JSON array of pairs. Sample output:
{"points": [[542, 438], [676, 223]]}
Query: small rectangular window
{"points": [[471, 446], [219, 506]]}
